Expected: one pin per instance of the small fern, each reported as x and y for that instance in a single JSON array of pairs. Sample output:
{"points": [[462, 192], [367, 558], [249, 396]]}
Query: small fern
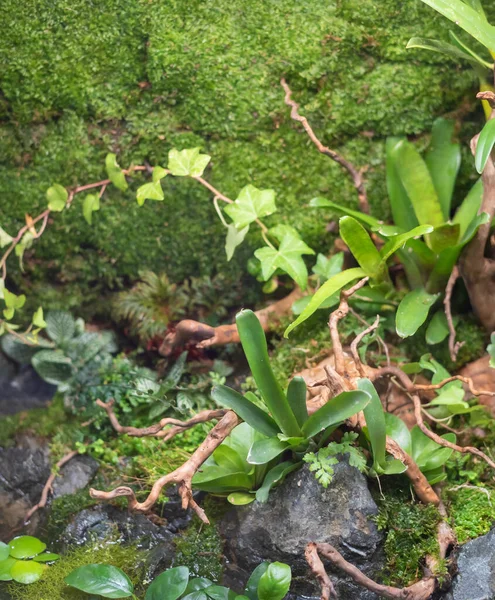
{"points": [[322, 463]]}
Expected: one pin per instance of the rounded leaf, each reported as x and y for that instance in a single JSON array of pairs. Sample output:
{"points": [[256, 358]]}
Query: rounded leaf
{"points": [[6, 567], [241, 498], [4, 551], [27, 571], [103, 580], [169, 585], [46, 557], [26, 546], [275, 582]]}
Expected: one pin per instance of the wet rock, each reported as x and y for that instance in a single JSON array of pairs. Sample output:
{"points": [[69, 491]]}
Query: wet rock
{"points": [[476, 565], [75, 476], [300, 511]]}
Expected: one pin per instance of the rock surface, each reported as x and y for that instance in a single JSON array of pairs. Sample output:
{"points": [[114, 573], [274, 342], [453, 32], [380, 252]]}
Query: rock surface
{"points": [[75, 476], [476, 565], [300, 511]]}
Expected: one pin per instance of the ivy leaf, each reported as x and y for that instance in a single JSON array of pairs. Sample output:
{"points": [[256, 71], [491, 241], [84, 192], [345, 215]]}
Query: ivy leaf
{"points": [[159, 173], [328, 267], [38, 319], [5, 238], [12, 302], [235, 237], [22, 246], [90, 205], [57, 197], [184, 163], [150, 191], [251, 204], [288, 258], [114, 172]]}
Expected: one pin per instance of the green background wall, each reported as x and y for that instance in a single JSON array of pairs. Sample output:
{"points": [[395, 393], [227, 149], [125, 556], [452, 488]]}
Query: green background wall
{"points": [[80, 78]]}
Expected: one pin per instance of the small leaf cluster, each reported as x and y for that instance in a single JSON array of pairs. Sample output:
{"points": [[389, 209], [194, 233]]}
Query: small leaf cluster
{"points": [[24, 559]]}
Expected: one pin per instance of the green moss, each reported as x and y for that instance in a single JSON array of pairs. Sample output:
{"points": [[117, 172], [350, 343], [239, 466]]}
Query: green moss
{"points": [[52, 586], [471, 512], [62, 510], [84, 81]]}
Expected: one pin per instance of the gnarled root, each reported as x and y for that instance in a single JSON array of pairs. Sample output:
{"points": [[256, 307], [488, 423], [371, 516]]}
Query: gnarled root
{"points": [[181, 476], [205, 336]]}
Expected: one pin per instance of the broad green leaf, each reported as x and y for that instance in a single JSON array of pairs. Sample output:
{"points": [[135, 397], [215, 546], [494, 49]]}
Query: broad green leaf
{"points": [[274, 584], [189, 162], [169, 585], [469, 208], [115, 173], [443, 160], [149, 191], [398, 241], [336, 410], [375, 421], [103, 580], [299, 305], [247, 411], [60, 326], [26, 546], [57, 197], [485, 145], [296, 396], [400, 203], [90, 205], [5, 568], [359, 243], [5, 238], [241, 498], [328, 267], [4, 551], [235, 237], [438, 328], [444, 237], [444, 48], [46, 557], [27, 571], [363, 218], [393, 466], [251, 204], [158, 173], [217, 480], [52, 366], [228, 458], [398, 431], [330, 287], [199, 595], [263, 451], [38, 320], [219, 592], [198, 583], [13, 301], [288, 258], [413, 311], [274, 476], [418, 184], [467, 18], [464, 47], [253, 581]]}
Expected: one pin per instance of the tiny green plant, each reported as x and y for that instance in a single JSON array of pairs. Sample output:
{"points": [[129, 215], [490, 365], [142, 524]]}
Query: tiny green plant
{"points": [[269, 581], [24, 559]]}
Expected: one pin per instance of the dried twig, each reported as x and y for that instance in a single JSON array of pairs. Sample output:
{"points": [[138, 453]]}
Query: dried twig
{"points": [[314, 561], [454, 346], [357, 340], [356, 174]]}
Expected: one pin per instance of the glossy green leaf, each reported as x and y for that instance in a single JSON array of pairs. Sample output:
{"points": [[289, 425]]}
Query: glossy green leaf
{"points": [[115, 173], [189, 162], [474, 55], [418, 184], [149, 191], [274, 476], [251, 204], [255, 348], [393, 466], [398, 241], [444, 48], [330, 287], [91, 204], [485, 145], [296, 396], [375, 421], [4, 551], [197, 583], [362, 248], [169, 585], [46, 557], [219, 592], [438, 328], [217, 480], [57, 197], [5, 568], [275, 582], [263, 451], [336, 410], [469, 208], [468, 18], [443, 160], [444, 237], [400, 203], [199, 595], [413, 311], [241, 498], [288, 258], [103, 580], [398, 431], [363, 218], [247, 411], [254, 579], [5, 238], [27, 571], [234, 238], [225, 456], [26, 546]]}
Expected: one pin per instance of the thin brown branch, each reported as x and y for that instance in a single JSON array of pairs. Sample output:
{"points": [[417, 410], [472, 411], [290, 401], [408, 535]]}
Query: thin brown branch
{"points": [[467, 380], [49, 482], [454, 346], [181, 476], [314, 561], [357, 340], [356, 174], [381, 341]]}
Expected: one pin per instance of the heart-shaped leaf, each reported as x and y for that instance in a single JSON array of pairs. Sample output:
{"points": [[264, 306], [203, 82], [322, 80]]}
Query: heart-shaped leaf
{"points": [[413, 310], [251, 204], [57, 197], [275, 582], [187, 163], [103, 580], [169, 585]]}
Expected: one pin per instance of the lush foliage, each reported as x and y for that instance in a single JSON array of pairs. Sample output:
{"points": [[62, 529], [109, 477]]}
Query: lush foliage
{"points": [[24, 559]]}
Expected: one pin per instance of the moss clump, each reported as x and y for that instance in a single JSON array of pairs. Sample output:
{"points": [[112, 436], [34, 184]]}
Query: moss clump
{"points": [[471, 512], [410, 535], [52, 585]]}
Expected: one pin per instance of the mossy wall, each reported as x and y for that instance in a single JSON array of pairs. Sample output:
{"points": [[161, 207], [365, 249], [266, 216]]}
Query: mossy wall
{"points": [[80, 78]]}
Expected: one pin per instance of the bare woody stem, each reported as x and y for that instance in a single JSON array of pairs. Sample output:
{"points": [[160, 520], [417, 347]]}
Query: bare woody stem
{"points": [[454, 346], [356, 174]]}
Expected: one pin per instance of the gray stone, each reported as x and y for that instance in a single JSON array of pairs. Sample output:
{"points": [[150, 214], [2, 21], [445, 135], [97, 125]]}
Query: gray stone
{"points": [[75, 476], [476, 570], [301, 511]]}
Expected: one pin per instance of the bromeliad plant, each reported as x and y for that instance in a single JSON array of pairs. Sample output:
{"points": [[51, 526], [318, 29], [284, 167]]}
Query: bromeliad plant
{"points": [[269, 581], [423, 238]]}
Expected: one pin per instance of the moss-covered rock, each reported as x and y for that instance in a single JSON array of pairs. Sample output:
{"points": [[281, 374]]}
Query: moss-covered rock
{"points": [[140, 78]]}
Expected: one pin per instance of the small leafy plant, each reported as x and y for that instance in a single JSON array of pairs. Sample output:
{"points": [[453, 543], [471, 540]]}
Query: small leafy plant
{"points": [[24, 559], [269, 581]]}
